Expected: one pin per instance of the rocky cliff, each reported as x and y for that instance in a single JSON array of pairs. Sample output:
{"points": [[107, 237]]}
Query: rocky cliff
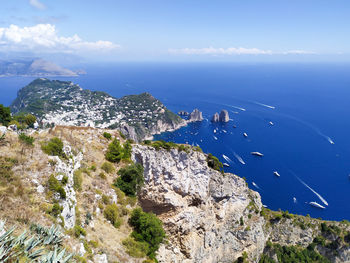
{"points": [[222, 117], [195, 115]]}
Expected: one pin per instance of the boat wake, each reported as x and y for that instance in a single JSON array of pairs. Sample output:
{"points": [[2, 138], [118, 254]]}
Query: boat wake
{"points": [[264, 105], [312, 190], [239, 158], [256, 185], [227, 158]]}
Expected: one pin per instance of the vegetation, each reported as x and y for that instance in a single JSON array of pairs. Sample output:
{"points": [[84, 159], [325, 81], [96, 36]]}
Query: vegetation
{"points": [[111, 213], [214, 163], [108, 167], [293, 254], [147, 228], [28, 140], [55, 186], [54, 147], [107, 135], [135, 248], [45, 246], [77, 180], [130, 179], [5, 115], [161, 144], [116, 152]]}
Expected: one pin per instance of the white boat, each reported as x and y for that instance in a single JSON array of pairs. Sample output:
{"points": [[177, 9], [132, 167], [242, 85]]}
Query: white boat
{"points": [[245, 135], [226, 164], [315, 204], [214, 131], [215, 137], [234, 126], [276, 173], [294, 200], [224, 131], [271, 123], [257, 154], [265, 206]]}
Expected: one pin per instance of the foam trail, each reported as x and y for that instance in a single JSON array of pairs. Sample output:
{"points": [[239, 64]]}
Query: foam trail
{"points": [[264, 105], [239, 158], [227, 158], [256, 185], [312, 190]]}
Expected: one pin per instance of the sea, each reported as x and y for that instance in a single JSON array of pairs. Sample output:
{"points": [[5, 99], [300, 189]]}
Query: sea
{"points": [[296, 115]]}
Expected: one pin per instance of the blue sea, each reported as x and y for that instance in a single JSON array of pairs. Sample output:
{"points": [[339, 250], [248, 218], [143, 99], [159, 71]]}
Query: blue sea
{"points": [[308, 104]]}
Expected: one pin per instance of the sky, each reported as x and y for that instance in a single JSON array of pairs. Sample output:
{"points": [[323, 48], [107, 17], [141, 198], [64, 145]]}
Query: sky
{"points": [[178, 30]]}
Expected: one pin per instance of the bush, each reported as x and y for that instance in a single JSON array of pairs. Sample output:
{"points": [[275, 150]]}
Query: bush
{"points": [[135, 248], [107, 135], [64, 180], [130, 179], [214, 163], [116, 152], [77, 180], [28, 140], [56, 209], [147, 228], [55, 186], [30, 119], [108, 167], [111, 213], [54, 147], [5, 115], [78, 231]]}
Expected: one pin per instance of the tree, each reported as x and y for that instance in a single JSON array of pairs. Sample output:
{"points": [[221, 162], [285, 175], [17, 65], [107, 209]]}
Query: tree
{"points": [[30, 119], [115, 151], [130, 179], [5, 115]]}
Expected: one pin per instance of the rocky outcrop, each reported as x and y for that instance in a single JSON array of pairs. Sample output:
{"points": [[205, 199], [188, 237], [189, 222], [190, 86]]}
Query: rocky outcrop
{"points": [[205, 214], [224, 117], [195, 115], [215, 117]]}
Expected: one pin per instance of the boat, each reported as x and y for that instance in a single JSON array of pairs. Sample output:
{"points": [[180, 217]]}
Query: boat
{"points": [[315, 204], [271, 123], [224, 131], [257, 154], [276, 173], [265, 206], [234, 126], [226, 164], [214, 131], [215, 137], [294, 200], [245, 135]]}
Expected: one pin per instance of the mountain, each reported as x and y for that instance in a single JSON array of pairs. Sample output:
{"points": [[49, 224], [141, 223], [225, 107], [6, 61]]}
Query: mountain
{"points": [[208, 216], [65, 103], [33, 67]]}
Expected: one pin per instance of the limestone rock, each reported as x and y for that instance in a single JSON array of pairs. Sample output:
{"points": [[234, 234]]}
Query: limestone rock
{"points": [[224, 117], [215, 117], [200, 208], [3, 130], [195, 115]]}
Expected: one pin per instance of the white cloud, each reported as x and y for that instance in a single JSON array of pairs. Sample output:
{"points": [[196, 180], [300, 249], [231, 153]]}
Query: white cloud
{"points": [[45, 38], [37, 4], [232, 51]]}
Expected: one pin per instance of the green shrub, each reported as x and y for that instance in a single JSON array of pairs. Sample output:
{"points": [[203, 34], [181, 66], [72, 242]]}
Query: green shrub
{"points": [[55, 186], [93, 168], [78, 231], [214, 163], [77, 180], [28, 140], [111, 213], [5, 115], [147, 228], [106, 199], [64, 180], [114, 152], [107, 135], [135, 248], [54, 147], [56, 209], [130, 179], [108, 167]]}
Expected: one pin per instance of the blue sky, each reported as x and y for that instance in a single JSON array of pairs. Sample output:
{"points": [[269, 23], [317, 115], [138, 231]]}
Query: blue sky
{"points": [[179, 30]]}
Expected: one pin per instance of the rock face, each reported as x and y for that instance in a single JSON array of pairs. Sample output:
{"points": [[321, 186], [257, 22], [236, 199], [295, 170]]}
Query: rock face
{"points": [[195, 115], [205, 214], [215, 117], [224, 117]]}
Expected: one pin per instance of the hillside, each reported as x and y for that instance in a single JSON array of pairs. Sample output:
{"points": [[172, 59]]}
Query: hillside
{"points": [[207, 216], [33, 68], [66, 103]]}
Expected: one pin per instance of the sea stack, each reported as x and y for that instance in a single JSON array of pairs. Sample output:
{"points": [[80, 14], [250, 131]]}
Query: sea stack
{"points": [[215, 117], [195, 115], [224, 117]]}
